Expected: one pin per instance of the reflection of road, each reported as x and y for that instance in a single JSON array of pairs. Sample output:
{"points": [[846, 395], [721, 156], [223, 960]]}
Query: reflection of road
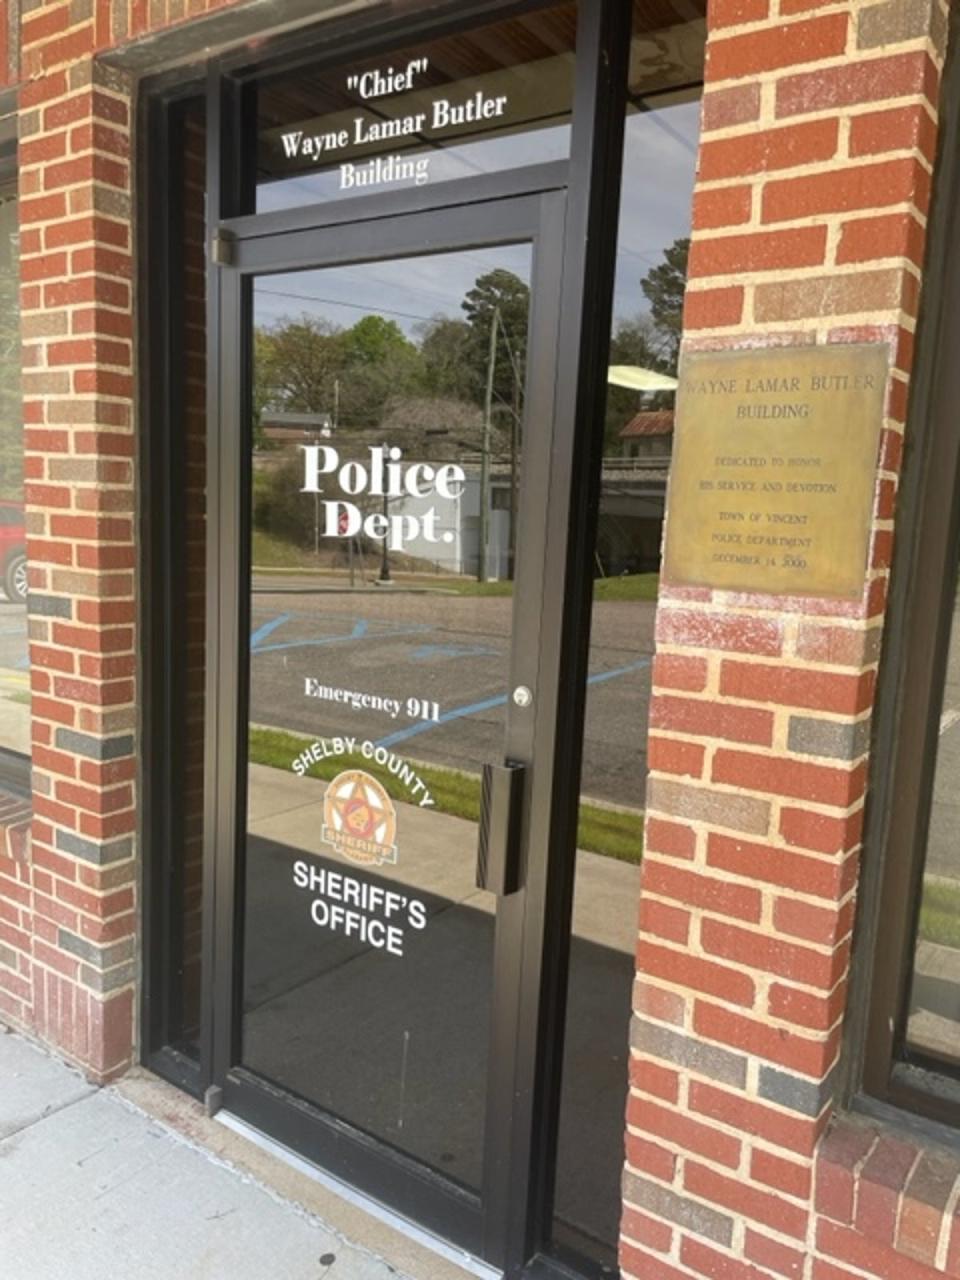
{"points": [[443, 649]]}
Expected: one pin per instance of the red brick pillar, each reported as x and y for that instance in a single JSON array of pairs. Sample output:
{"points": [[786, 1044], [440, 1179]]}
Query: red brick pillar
{"points": [[78, 935], [819, 123]]}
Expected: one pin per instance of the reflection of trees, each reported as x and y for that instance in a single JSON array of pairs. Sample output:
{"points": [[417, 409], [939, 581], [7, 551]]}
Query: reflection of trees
{"points": [[298, 364], [649, 341], [635, 342], [458, 388], [506, 295], [444, 350], [279, 508], [432, 426], [377, 364], [664, 287], [375, 378]]}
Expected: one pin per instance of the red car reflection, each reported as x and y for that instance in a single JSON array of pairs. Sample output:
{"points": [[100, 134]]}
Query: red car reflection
{"points": [[13, 552]]}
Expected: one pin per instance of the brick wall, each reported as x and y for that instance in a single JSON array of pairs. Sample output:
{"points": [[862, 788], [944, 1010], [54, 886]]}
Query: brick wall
{"points": [[77, 321], [819, 127]]}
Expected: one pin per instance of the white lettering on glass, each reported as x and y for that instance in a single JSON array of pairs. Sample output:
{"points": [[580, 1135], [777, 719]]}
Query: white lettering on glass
{"points": [[377, 84], [413, 708], [382, 170], [371, 131], [371, 914], [384, 476]]}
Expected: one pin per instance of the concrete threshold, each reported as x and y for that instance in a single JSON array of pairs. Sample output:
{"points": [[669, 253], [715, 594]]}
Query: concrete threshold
{"points": [[136, 1180]]}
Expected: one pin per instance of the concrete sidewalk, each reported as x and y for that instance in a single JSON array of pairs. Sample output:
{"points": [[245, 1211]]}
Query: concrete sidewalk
{"points": [[95, 1187]]}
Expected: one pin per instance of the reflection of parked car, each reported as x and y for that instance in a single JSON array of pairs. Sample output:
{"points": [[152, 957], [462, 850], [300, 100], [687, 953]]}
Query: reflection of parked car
{"points": [[13, 552]]}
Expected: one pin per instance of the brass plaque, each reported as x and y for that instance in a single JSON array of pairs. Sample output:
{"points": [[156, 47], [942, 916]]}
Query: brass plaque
{"points": [[774, 467]]}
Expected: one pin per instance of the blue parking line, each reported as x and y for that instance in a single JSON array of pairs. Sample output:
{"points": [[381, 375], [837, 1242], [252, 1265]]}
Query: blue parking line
{"points": [[267, 629], [471, 709], [602, 676], [360, 629], [428, 652]]}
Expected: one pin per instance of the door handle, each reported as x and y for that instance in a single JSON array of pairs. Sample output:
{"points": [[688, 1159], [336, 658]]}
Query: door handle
{"points": [[498, 849]]}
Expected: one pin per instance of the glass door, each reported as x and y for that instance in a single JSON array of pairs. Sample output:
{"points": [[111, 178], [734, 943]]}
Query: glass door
{"points": [[387, 407], [384, 502]]}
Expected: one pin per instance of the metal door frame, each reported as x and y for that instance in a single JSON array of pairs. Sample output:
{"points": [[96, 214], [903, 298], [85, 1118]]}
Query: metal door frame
{"points": [[515, 1231], [344, 1151]]}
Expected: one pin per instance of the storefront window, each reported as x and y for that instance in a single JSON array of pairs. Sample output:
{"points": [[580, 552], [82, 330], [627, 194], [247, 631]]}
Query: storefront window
{"points": [[493, 98], [661, 137], [14, 659]]}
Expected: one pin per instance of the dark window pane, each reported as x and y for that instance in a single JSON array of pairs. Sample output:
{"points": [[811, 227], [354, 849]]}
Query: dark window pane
{"points": [[183, 590], [193, 512]]}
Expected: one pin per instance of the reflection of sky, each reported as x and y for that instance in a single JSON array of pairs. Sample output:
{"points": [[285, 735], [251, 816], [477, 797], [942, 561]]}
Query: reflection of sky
{"points": [[407, 290], [659, 160]]}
